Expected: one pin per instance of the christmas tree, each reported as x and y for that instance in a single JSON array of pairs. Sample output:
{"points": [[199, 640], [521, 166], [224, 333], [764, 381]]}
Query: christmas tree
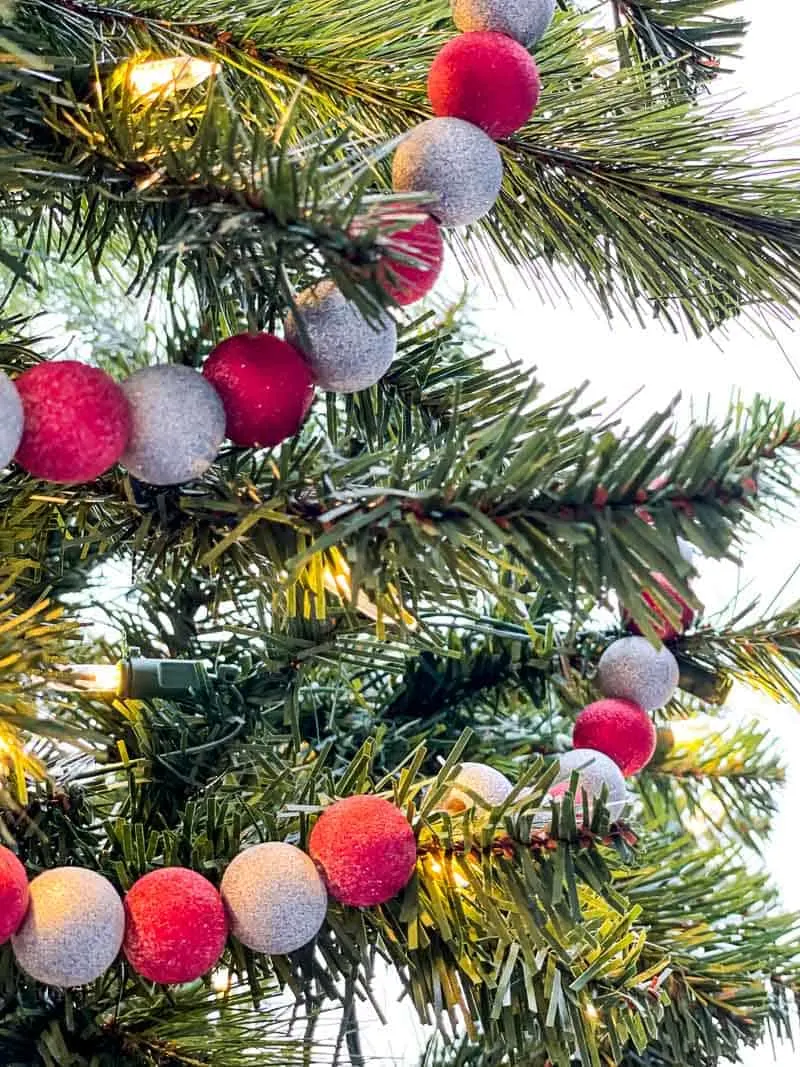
{"points": [[336, 656]]}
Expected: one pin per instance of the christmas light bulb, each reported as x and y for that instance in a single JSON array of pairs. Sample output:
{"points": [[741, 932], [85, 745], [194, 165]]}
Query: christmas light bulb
{"points": [[96, 677], [165, 77]]}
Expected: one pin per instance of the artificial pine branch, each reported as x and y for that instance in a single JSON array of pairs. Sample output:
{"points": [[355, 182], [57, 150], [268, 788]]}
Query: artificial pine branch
{"points": [[693, 37], [583, 198], [763, 654], [724, 780]]}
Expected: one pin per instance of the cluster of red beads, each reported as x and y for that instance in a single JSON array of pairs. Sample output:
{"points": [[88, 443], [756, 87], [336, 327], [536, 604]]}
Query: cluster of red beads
{"points": [[176, 921]]}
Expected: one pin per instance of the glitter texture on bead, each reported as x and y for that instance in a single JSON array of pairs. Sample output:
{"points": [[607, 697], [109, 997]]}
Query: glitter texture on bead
{"points": [[492, 786], [632, 669], [524, 20], [365, 849], [275, 898], [346, 351], [454, 161], [178, 424], [73, 929], [10, 420]]}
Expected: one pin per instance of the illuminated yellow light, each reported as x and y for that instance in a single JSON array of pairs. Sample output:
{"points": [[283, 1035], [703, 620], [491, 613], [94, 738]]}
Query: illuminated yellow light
{"points": [[221, 981], [457, 877], [591, 1012], [460, 880], [166, 77], [689, 731], [336, 579], [96, 677]]}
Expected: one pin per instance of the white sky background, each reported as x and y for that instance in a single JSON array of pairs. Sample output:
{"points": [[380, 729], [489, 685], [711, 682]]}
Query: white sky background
{"points": [[570, 344]]}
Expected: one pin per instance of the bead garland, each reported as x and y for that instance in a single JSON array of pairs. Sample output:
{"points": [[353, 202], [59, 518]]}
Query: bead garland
{"points": [[68, 925], [68, 423]]}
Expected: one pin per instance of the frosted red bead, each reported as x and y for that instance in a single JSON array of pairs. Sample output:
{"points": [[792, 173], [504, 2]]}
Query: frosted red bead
{"points": [[619, 729], [664, 628], [405, 282], [365, 849], [14, 894], [76, 422], [266, 388], [175, 925], [485, 78]]}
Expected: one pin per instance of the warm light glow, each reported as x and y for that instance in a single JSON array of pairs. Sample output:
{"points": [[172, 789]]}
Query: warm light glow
{"points": [[221, 981], [456, 877], [592, 1014], [96, 677], [166, 77], [336, 579], [689, 731]]}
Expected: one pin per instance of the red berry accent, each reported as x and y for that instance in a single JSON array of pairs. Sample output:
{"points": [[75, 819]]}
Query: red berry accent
{"points": [[175, 927], [265, 385], [13, 894], [619, 729], [664, 628], [77, 422], [487, 79], [403, 282], [365, 849]]}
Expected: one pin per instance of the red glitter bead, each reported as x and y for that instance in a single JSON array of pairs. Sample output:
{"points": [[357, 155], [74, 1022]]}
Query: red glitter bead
{"points": [[175, 925], [664, 627], [619, 729], [77, 422], [403, 282], [13, 894], [366, 850], [487, 79], [265, 385]]}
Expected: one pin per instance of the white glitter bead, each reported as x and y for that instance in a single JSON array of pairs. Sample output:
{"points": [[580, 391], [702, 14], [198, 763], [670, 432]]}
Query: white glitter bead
{"points": [[275, 898], [346, 351], [631, 669], [596, 770], [453, 160], [178, 424], [490, 785], [10, 420], [73, 930], [524, 20]]}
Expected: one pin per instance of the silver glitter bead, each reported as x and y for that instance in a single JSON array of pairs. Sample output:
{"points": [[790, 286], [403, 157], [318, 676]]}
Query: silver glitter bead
{"points": [[73, 930], [275, 898], [490, 785], [524, 20], [453, 160], [10, 420], [178, 424], [595, 770], [346, 352], [631, 669]]}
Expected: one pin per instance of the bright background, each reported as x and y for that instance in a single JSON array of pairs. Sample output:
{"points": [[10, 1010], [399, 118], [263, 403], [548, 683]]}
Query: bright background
{"points": [[570, 345]]}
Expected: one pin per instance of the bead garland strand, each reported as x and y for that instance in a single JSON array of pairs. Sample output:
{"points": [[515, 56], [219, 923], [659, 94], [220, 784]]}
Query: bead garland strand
{"points": [[68, 925], [68, 423]]}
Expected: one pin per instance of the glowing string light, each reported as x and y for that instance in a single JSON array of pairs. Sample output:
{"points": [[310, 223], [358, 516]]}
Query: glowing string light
{"points": [[153, 78]]}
